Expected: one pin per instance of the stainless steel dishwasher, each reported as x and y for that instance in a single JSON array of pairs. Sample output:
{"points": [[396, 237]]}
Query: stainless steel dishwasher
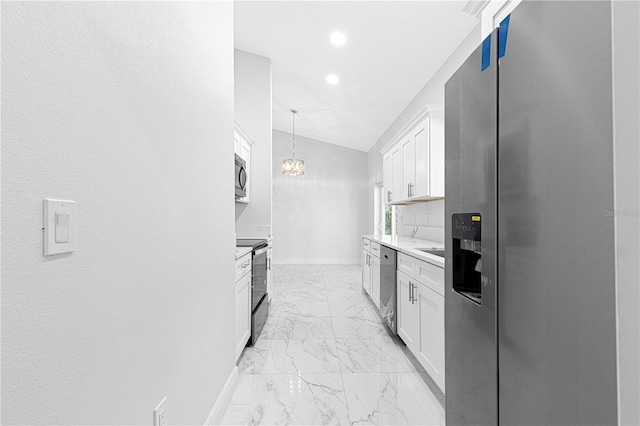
{"points": [[388, 298]]}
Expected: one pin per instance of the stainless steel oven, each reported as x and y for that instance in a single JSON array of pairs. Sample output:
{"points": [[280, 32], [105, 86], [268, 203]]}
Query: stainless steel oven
{"points": [[241, 177], [259, 296]]}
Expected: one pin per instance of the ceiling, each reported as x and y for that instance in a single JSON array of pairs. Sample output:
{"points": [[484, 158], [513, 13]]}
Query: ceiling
{"points": [[392, 50]]}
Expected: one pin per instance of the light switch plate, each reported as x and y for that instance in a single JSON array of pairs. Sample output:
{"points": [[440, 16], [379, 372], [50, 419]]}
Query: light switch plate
{"points": [[160, 413], [54, 210]]}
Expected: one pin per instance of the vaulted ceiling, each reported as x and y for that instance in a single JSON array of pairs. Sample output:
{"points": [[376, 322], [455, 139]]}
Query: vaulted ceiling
{"points": [[392, 49]]}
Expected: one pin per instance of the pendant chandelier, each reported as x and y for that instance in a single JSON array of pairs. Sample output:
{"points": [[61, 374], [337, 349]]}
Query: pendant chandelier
{"points": [[292, 166]]}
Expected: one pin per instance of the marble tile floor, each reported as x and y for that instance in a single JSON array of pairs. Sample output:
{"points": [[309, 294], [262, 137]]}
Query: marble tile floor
{"points": [[325, 358]]}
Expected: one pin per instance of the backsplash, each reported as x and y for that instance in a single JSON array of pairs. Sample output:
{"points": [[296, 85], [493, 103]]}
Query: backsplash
{"points": [[253, 231], [428, 217]]}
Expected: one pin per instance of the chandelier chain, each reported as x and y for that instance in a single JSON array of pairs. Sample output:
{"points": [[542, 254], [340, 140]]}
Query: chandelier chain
{"points": [[294, 133]]}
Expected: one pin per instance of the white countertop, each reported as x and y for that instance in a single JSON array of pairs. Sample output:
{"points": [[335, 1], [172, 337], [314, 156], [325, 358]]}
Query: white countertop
{"points": [[409, 245], [241, 251], [269, 238]]}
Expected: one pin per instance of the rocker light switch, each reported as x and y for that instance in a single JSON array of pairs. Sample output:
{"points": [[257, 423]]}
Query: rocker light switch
{"points": [[59, 227], [62, 227]]}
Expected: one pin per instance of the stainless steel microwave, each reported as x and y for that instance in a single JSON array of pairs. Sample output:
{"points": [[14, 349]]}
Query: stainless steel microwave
{"points": [[241, 177]]}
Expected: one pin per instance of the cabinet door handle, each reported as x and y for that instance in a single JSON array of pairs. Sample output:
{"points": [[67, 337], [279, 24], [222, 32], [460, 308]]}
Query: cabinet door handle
{"points": [[245, 265], [410, 190], [388, 196], [410, 292], [269, 263]]}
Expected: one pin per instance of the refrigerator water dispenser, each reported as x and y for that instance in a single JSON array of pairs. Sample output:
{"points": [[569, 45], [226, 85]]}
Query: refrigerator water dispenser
{"points": [[467, 255]]}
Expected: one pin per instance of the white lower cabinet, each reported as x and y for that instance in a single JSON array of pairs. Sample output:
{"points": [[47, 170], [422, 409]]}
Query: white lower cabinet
{"points": [[375, 280], [269, 269], [243, 304], [421, 314], [371, 270], [407, 311], [366, 268], [431, 343]]}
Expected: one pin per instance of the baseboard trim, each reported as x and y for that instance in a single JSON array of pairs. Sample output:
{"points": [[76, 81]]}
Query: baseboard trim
{"points": [[215, 416], [342, 261]]}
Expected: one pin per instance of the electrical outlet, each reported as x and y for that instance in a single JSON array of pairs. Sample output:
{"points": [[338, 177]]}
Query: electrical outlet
{"points": [[426, 219], [160, 414]]}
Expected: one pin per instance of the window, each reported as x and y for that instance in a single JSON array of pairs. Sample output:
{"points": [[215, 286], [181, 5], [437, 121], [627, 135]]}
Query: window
{"points": [[389, 220], [384, 221]]}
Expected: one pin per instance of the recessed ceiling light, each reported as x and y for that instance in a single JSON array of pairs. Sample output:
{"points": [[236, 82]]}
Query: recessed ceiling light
{"points": [[332, 79], [338, 38]]}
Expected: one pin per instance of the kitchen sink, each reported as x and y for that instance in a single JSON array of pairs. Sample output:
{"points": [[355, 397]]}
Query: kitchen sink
{"points": [[436, 252]]}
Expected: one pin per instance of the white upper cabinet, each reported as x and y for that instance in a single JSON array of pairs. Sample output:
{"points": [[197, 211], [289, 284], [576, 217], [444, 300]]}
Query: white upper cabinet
{"points": [[436, 156], [408, 148], [420, 136], [413, 163], [396, 174], [387, 170], [236, 141]]}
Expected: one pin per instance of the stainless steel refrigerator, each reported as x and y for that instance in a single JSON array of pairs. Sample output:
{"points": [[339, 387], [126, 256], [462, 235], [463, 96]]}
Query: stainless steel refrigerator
{"points": [[530, 301]]}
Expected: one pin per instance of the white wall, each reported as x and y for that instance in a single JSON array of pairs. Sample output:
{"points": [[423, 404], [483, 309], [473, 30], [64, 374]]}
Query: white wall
{"points": [[319, 217], [431, 94], [626, 97], [252, 90], [126, 108]]}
